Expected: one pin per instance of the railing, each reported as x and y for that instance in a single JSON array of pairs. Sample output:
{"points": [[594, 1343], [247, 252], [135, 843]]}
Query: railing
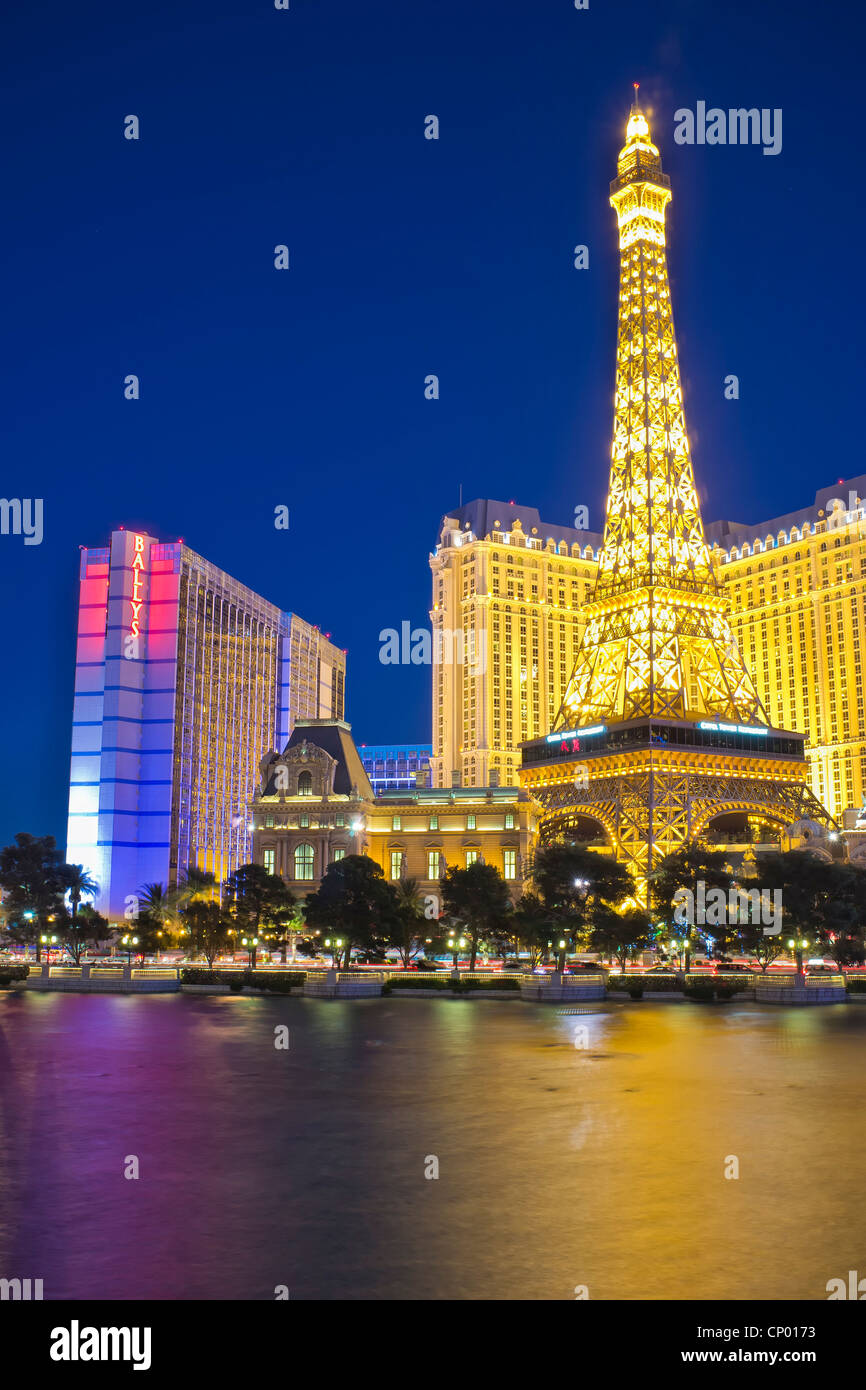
{"points": [[64, 972], [155, 973], [583, 977], [789, 981]]}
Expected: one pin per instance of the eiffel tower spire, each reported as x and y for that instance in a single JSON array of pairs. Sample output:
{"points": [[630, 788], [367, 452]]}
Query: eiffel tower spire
{"points": [[657, 639], [661, 733]]}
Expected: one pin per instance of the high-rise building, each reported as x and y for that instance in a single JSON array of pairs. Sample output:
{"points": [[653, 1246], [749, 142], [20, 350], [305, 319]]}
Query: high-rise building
{"points": [[662, 732], [508, 589], [184, 678], [396, 766], [797, 587]]}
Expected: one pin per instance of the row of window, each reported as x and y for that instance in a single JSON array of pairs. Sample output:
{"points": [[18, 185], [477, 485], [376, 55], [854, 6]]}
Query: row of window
{"points": [[509, 862], [471, 819], [303, 861]]}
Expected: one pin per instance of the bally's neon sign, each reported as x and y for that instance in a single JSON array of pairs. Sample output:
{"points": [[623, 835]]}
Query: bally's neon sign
{"points": [[137, 584]]}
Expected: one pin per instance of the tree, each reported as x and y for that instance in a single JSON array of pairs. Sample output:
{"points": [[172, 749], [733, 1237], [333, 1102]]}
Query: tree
{"points": [[81, 930], [208, 926], [353, 904], [478, 901], [78, 883], [821, 901], [575, 884], [531, 926], [160, 904], [198, 885], [765, 949], [258, 901], [32, 889], [406, 929], [681, 872], [622, 934]]}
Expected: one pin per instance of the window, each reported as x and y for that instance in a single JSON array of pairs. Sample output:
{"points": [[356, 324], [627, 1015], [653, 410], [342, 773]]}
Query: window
{"points": [[268, 861], [470, 822], [269, 820], [433, 823], [338, 855], [396, 862], [304, 858], [396, 822], [304, 821], [471, 857], [432, 863], [509, 861], [340, 819], [305, 784], [509, 820]]}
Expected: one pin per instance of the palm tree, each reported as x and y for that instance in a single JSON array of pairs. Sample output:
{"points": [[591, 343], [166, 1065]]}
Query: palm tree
{"points": [[198, 886], [78, 883], [159, 902]]}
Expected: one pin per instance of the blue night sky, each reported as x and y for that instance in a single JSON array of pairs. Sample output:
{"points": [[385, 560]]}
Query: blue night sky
{"points": [[408, 257]]}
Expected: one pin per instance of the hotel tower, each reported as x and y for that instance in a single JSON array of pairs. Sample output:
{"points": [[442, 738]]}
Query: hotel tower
{"points": [[184, 678]]}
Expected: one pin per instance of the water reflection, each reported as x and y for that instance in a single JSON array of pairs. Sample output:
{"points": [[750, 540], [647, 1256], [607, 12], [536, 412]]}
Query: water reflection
{"points": [[601, 1164]]}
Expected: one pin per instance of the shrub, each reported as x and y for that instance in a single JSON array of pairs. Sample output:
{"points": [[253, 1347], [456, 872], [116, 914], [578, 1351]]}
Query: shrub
{"points": [[8, 973], [700, 994], [726, 991], [650, 983], [412, 982], [636, 992], [280, 981], [277, 981], [485, 982], [856, 984]]}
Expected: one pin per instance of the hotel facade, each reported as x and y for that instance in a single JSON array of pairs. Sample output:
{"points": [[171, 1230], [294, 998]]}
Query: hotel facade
{"points": [[513, 585], [316, 805], [796, 585], [183, 678]]}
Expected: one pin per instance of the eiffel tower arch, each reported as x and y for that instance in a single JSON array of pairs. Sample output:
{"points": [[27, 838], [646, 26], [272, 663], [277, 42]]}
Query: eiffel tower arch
{"points": [[662, 730]]}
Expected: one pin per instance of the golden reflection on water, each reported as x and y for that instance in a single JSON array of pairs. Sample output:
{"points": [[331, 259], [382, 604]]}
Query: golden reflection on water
{"points": [[599, 1164]]}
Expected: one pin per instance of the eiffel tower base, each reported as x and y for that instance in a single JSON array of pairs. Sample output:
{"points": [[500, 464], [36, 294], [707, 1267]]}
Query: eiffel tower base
{"points": [[651, 801]]}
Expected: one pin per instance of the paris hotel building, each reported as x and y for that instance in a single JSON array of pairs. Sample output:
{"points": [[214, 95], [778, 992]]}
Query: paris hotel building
{"points": [[184, 677], [514, 586]]}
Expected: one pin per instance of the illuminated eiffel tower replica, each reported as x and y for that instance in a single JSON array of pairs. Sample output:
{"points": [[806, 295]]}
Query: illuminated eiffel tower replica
{"points": [[661, 730]]}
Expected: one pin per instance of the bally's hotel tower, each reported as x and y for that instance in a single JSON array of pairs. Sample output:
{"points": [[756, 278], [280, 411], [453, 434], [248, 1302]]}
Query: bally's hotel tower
{"points": [[184, 678]]}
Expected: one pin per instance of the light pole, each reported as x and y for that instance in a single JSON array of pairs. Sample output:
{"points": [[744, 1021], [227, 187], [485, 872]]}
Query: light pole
{"points": [[48, 942], [128, 942], [455, 946], [798, 945], [28, 917], [250, 942]]}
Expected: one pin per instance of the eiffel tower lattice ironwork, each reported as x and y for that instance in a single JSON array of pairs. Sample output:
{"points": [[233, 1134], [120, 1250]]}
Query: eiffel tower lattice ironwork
{"points": [[661, 716]]}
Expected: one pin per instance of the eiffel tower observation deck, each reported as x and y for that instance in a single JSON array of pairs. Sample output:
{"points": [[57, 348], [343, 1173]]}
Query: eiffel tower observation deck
{"points": [[661, 734]]}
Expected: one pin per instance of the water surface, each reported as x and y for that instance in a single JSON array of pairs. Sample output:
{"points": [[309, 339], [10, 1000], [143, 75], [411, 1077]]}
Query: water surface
{"points": [[558, 1166]]}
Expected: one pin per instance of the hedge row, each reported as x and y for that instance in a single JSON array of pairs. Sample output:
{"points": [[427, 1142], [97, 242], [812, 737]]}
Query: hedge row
{"points": [[8, 973], [446, 983], [627, 983], [278, 981]]}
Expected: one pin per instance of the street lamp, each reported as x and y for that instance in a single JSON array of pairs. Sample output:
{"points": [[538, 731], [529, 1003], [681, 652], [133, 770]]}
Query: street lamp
{"points": [[129, 942], [48, 942], [251, 942], [455, 946], [798, 946]]}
